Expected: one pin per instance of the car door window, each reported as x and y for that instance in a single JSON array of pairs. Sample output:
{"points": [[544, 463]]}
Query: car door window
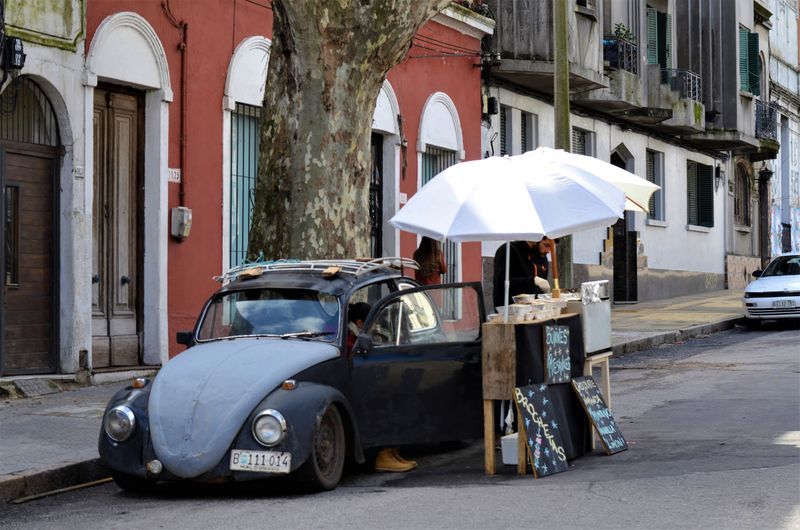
{"points": [[417, 318]]}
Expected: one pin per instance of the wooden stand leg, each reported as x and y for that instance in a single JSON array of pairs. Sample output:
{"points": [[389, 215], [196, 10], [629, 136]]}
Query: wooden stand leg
{"points": [[605, 380], [488, 437]]}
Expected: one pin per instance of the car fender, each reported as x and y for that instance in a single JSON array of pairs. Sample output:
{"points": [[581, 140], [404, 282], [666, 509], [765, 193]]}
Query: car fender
{"points": [[303, 408], [127, 456]]}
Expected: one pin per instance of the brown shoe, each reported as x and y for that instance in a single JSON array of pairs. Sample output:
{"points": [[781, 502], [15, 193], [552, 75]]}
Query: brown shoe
{"points": [[396, 454], [387, 461]]}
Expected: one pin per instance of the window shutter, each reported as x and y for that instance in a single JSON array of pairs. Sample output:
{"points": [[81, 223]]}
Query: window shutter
{"points": [[744, 75], [503, 147], [753, 64], [652, 36], [578, 141], [705, 195], [523, 133], [651, 176], [691, 193], [668, 41]]}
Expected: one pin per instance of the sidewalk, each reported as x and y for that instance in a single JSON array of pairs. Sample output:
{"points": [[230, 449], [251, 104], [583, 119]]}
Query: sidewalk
{"points": [[50, 442]]}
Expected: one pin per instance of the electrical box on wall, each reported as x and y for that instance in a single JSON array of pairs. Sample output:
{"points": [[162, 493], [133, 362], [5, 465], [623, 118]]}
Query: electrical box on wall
{"points": [[181, 222]]}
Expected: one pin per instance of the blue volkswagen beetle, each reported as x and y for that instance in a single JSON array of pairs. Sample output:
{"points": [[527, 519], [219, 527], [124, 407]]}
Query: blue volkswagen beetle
{"points": [[268, 386]]}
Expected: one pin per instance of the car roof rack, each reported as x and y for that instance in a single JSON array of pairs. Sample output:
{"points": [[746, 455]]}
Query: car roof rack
{"points": [[335, 266]]}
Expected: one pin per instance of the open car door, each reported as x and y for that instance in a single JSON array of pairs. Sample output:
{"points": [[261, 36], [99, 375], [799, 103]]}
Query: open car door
{"points": [[416, 374]]}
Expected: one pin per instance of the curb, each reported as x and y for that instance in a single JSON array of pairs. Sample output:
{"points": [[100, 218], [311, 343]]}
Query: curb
{"points": [[33, 482], [671, 337]]}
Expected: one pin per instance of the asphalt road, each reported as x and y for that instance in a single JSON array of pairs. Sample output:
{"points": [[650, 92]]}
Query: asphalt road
{"points": [[714, 432]]}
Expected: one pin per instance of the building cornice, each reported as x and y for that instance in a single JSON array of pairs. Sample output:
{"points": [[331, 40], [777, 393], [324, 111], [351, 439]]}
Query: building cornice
{"points": [[465, 21]]}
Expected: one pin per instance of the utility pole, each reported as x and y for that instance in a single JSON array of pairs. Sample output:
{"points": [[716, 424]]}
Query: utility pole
{"points": [[561, 117]]}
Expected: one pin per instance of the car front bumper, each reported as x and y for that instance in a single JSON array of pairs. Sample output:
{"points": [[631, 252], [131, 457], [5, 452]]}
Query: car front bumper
{"points": [[771, 307]]}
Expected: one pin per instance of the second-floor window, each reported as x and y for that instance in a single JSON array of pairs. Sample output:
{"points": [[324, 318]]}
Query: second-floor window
{"points": [[655, 174], [659, 38], [741, 197], [245, 123], [749, 64], [699, 194]]}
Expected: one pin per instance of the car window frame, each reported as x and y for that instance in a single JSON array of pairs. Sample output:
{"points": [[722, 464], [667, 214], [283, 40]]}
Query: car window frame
{"points": [[384, 302]]}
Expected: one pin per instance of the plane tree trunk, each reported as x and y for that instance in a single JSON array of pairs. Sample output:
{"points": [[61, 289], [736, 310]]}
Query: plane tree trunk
{"points": [[327, 63]]}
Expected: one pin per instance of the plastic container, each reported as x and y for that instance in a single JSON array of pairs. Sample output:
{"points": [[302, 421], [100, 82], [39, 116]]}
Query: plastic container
{"points": [[508, 446]]}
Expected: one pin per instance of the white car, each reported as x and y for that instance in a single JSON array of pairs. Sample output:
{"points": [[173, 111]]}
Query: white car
{"points": [[775, 294]]}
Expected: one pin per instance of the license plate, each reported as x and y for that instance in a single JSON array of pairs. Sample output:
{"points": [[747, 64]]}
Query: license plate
{"points": [[261, 461], [783, 303]]}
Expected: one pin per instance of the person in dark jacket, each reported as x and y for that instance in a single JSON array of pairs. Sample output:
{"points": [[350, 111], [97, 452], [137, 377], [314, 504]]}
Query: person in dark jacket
{"points": [[522, 279], [541, 265]]}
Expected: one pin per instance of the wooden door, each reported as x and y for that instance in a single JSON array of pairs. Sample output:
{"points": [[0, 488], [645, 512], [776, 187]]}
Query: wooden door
{"points": [[29, 287], [115, 255]]}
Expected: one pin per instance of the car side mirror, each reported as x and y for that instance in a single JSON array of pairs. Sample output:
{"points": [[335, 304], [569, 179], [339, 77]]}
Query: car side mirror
{"points": [[184, 337], [757, 273], [363, 345]]}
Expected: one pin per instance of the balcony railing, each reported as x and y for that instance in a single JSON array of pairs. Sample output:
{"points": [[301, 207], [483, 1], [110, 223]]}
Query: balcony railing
{"points": [[621, 54], [684, 82], [766, 120]]}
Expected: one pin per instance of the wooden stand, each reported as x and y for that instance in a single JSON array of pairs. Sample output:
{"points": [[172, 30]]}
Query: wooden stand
{"points": [[601, 360]]}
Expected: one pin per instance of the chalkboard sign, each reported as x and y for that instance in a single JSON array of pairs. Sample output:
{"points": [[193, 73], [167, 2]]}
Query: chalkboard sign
{"points": [[599, 414], [556, 354], [540, 428]]}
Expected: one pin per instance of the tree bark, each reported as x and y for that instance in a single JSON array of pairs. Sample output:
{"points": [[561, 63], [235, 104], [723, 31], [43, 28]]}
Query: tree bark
{"points": [[327, 63]]}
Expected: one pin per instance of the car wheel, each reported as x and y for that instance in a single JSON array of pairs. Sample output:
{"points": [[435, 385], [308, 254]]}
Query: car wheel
{"points": [[323, 469], [135, 484]]}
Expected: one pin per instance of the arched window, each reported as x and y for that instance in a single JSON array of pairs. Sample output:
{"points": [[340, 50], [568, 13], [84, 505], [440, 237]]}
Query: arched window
{"points": [[241, 123], [741, 196]]}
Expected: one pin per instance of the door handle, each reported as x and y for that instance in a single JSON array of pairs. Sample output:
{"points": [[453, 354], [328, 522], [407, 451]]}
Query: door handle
{"points": [[125, 280], [96, 278]]}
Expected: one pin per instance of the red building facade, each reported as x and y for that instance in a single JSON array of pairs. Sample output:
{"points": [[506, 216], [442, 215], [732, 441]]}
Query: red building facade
{"points": [[176, 95]]}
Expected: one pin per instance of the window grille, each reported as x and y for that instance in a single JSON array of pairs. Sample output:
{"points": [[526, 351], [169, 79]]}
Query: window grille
{"points": [[26, 114], [434, 161], [245, 127], [503, 136]]}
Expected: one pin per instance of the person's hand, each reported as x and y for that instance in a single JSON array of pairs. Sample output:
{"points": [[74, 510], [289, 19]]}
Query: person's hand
{"points": [[542, 284]]}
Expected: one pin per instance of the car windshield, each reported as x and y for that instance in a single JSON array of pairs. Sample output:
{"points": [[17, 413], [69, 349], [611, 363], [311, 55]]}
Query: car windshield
{"points": [[286, 313], [783, 266]]}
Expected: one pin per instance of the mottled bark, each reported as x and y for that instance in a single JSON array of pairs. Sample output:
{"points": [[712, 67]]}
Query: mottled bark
{"points": [[327, 63]]}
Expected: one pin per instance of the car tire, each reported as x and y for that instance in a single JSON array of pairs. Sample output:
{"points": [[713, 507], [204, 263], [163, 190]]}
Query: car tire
{"points": [[323, 469], [134, 484]]}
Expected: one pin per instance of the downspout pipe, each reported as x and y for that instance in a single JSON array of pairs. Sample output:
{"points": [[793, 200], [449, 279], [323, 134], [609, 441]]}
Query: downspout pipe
{"points": [[183, 28]]}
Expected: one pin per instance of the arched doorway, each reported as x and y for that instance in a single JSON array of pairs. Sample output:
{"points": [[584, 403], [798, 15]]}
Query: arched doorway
{"points": [[30, 156]]}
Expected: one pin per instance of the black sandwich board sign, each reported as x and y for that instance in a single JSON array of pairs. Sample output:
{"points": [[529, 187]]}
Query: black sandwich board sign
{"points": [[556, 354], [598, 413], [540, 429]]}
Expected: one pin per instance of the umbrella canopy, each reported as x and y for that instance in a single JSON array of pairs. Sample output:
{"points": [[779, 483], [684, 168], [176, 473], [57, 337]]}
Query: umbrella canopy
{"points": [[637, 190], [506, 198]]}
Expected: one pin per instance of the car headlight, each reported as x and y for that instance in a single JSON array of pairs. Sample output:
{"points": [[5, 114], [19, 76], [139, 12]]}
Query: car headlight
{"points": [[269, 427], [119, 423]]}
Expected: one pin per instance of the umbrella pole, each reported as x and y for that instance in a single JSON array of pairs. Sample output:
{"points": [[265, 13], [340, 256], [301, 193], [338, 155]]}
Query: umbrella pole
{"points": [[556, 292], [507, 284]]}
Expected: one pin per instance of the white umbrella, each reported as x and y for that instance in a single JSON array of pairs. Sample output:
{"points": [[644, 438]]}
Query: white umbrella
{"points": [[637, 190], [502, 199]]}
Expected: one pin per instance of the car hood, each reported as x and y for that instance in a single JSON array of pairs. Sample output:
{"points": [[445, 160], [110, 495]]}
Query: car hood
{"points": [[201, 398], [774, 283]]}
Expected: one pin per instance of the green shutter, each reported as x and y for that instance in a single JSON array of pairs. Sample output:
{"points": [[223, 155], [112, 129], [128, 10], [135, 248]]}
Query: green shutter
{"points": [[578, 141], [753, 64], [691, 192], [651, 176], [705, 195], [744, 74], [668, 41], [652, 36], [503, 124]]}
